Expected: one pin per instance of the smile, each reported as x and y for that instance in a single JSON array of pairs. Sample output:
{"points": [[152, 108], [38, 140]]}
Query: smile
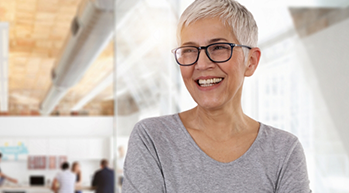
{"points": [[208, 82]]}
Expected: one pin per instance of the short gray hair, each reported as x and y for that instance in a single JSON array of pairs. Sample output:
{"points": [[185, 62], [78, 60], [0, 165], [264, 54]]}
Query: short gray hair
{"points": [[230, 12]]}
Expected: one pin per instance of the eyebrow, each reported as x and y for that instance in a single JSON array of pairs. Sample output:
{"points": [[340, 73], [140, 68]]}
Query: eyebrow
{"points": [[189, 44], [217, 40], [209, 42]]}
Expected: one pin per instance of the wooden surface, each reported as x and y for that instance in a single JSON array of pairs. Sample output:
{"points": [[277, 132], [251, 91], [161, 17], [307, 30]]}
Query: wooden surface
{"points": [[19, 188], [38, 30]]}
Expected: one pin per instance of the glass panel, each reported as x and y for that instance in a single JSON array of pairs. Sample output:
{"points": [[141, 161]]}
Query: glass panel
{"points": [[284, 92], [39, 38], [148, 78]]}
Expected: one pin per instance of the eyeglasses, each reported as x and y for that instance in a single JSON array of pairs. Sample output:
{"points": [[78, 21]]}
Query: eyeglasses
{"points": [[217, 52]]}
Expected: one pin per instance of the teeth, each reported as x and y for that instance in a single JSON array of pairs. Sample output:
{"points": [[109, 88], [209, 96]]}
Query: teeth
{"points": [[209, 82], [205, 85]]}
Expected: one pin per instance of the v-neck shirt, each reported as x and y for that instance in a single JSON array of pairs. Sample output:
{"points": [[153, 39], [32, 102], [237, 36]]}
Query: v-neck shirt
{"points": [[162, 157]]}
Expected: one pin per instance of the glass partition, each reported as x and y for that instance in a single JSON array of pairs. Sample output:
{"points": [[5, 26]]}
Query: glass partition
{"points": [[56, 87], [288, 91], [147, 79], [90, 109]]}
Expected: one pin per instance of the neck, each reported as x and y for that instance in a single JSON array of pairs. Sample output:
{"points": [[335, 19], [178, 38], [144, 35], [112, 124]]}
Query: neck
{"points": [[220, 124]]}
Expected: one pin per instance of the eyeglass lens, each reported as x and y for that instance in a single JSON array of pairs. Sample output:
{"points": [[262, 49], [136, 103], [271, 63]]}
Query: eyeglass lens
{"points": [[216, 52]]}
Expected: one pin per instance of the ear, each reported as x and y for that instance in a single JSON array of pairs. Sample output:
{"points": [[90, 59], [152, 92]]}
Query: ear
{"points": [[252, 61]]}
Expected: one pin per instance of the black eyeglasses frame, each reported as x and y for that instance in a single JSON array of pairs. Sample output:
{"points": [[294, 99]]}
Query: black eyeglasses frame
{"points": [[232, 45]]}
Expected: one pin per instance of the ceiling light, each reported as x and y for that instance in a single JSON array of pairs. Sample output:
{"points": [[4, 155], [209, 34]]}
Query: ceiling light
{"points": [[91, 30]]}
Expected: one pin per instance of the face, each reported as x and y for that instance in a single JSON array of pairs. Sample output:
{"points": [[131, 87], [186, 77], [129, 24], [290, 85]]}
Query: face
{"points": [[231, 73], [77, 167]]}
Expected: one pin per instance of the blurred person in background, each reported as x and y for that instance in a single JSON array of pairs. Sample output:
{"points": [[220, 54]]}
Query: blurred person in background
{"points": [[214, 147], [64, 182], [4, 177], [103, 179], [77, 171]]}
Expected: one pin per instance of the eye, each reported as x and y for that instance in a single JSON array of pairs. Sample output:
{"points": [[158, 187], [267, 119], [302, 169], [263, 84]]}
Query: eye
{"points": [[187, 50], [220, 47]]}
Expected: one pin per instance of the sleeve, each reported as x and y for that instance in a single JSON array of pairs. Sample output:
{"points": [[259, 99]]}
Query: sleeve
{"points": [[94, 180], [142, 168], [293, 176]]}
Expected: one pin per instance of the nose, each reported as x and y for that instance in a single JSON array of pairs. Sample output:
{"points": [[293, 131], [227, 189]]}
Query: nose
{"points": [[204, 62]]}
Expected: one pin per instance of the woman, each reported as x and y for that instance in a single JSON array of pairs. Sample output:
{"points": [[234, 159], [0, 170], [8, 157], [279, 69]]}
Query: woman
{"points": [[76, 170], [214, 147]]}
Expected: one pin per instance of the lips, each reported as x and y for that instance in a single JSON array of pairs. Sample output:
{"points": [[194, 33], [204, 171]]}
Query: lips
{"points": [[206, 82]]}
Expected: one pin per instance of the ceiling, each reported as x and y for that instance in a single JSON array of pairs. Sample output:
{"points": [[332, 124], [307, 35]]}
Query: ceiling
{"points": [[145, 35], [37, 32]]}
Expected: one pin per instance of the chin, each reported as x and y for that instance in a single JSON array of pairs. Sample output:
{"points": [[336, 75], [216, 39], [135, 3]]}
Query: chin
{"points": [[210, 105]]}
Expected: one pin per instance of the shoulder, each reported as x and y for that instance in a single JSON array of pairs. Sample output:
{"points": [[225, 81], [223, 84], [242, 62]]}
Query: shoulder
{"points": [[104, 173], [156, 136], [276, 134], [67, 174], [277, 140], [156, 123], [58, 175], [275, 147], [109, 170], [98, 172], [163, 126], [63, 175]]}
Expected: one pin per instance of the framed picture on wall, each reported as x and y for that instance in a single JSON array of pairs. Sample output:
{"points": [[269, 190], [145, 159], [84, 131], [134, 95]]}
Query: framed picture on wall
{"points": [[52, 162], [36, 162], [61, 160]]}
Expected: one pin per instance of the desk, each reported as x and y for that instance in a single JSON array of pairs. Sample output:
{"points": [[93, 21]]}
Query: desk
{"points": [[36, 189], [25, 189]]}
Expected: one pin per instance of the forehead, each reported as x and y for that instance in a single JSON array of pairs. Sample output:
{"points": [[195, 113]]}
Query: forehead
{"points": [[202, 31]]}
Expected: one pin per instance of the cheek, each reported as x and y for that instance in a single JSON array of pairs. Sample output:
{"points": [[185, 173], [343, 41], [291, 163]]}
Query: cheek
{"points": [[235, 68], [235, 74], [187, 72]]}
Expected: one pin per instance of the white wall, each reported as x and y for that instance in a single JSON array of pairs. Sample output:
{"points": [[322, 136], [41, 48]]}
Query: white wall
{"points": [[329, 59], [95, 132], [325, 63], [56, 126]]}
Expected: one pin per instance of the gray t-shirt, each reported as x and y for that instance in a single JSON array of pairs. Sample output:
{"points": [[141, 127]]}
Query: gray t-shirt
{"points": [[162, 157]]}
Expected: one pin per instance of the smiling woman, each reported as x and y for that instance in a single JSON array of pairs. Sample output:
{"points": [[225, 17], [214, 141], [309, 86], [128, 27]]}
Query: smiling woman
{"points": [[227, 93], [214, 147]]}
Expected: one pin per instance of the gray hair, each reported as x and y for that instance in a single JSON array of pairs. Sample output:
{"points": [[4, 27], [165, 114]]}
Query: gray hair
{"points": [[230, 12]]}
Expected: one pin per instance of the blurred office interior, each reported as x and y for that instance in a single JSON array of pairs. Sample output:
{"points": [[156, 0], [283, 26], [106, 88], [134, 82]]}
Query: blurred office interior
{"points": [[76, 75]]}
